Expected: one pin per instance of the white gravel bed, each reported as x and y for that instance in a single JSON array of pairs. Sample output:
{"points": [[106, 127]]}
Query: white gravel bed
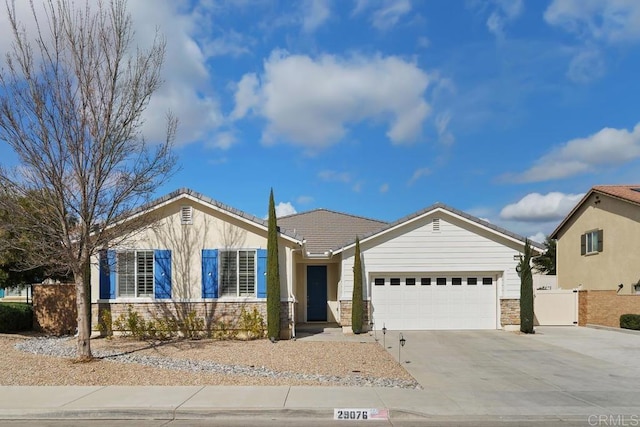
{"points": [[60, 347]]}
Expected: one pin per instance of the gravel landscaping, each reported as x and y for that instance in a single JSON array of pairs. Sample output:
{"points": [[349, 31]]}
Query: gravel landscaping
{"points": [[30, 360]]}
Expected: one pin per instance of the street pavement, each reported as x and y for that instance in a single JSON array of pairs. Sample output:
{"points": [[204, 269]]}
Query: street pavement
{"points": [[559, 376]]}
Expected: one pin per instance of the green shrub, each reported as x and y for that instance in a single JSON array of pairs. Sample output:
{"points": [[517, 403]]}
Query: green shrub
{"points": [[15, 317], [252, 323], [105, 324], [192, 326], [223, 331], [133, 324], [630, 321]]}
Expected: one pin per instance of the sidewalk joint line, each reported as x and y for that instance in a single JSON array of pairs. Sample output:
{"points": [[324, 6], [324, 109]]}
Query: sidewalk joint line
{"points": [[85, 395]]}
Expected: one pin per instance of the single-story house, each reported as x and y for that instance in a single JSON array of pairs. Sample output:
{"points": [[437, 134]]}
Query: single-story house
{"points": [[439, 268], [597, 253]]}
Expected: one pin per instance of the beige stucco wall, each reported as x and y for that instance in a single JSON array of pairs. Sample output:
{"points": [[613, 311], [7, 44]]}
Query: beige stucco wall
{"points": [[618, 261], [212, 228]]}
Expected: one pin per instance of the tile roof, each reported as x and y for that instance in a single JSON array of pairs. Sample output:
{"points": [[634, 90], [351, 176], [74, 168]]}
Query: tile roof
{"points": [[324, 229], [630, 193], [627, 193], [458, 212]]}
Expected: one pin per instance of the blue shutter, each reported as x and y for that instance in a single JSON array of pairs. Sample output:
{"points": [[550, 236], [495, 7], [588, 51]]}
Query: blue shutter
{"points": [[1, 293], [162, 274], [107, 274], [209, 273], [262, 273]]}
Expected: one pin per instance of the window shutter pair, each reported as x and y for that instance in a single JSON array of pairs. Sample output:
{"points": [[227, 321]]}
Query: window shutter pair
{"points": [[210, 273], [162, 274], [599, 243]]}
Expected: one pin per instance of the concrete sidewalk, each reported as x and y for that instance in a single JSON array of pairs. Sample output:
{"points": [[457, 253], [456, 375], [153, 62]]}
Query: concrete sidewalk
{"points": [[184, 403]]}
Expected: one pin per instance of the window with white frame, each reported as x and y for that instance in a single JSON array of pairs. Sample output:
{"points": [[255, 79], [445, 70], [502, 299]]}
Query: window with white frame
{"points": [[591, 242], [238, 273], [134, 273]]}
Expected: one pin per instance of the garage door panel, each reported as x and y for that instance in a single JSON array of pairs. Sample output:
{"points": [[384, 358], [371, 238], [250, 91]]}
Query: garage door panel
{"points": [[449, 306]]}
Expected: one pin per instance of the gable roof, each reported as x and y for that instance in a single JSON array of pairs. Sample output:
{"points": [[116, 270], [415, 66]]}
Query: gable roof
{"points": [[626, 193], [324, 230], [455, 212], [209, 202]]}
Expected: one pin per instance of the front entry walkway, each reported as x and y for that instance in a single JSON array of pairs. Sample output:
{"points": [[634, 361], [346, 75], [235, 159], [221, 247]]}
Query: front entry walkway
{"points": [[327, 331]]}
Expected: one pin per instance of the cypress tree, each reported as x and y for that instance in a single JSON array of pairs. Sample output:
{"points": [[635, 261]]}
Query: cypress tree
{"points": [[273, 275], [356, 298], [526, 291]]}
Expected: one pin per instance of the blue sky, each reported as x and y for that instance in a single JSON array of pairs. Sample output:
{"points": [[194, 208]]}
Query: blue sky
{"points": [[509, 110]]}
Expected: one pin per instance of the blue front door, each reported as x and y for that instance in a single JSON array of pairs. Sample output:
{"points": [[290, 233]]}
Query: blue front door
{"points": [[317, 293]]}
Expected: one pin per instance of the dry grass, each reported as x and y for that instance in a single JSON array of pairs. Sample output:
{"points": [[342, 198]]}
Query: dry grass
{"points": [[306, 357]]}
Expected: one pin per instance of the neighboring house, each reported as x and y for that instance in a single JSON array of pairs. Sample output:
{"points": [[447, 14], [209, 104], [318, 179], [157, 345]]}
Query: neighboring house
{"points": [[16, 294], [597, 253], [439, 268]]}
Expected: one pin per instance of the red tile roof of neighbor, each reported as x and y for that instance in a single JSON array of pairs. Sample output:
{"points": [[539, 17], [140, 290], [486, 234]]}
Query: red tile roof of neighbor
{"points": [[630, 193]]}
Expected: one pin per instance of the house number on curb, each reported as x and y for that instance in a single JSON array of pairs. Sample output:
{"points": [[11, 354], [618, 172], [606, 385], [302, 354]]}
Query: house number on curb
{"points": [[359, 414]]}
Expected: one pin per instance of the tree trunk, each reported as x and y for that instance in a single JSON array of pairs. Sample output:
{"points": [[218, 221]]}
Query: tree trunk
{"points": [[84, 320]]}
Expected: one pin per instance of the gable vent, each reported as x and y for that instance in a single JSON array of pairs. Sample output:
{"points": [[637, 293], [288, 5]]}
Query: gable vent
{"points": [[186, 215], [436, 224]]}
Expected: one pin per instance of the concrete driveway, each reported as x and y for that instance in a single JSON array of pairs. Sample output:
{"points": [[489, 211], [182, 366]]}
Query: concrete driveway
{"points": [[569, 370]]}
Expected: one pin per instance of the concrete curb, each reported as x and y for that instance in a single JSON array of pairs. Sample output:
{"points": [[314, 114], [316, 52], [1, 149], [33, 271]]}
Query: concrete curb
{"points": [[189, 414]]}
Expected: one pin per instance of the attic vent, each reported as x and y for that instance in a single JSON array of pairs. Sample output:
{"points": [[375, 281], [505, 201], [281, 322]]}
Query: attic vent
{"points": [[186, 214], [436, 224]]}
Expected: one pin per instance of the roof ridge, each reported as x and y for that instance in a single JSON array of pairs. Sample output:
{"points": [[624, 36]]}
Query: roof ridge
{"points": [[335, 212], [209, 200], [440, 205]]}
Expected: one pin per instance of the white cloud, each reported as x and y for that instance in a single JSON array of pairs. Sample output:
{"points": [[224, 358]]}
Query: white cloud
{"points": [[536, 207], [539, 237], [586, 66], [442, 126], [419, 173], [311, 101], [246, 96], [384, 188], [284, 209], [607, 147], [424, 42], [230, 43], [387, 15], [223, 140], [505, 12], [304, 200], [186, 91], [596, 24], [315, 13], [334, 176], [611, 21]]}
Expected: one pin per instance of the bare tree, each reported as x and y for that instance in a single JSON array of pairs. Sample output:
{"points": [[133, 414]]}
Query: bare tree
{"points": [[71, 105]]}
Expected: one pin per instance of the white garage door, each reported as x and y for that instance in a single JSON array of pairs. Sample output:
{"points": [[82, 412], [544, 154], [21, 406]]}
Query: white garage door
{"points": [[447, 301]]}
